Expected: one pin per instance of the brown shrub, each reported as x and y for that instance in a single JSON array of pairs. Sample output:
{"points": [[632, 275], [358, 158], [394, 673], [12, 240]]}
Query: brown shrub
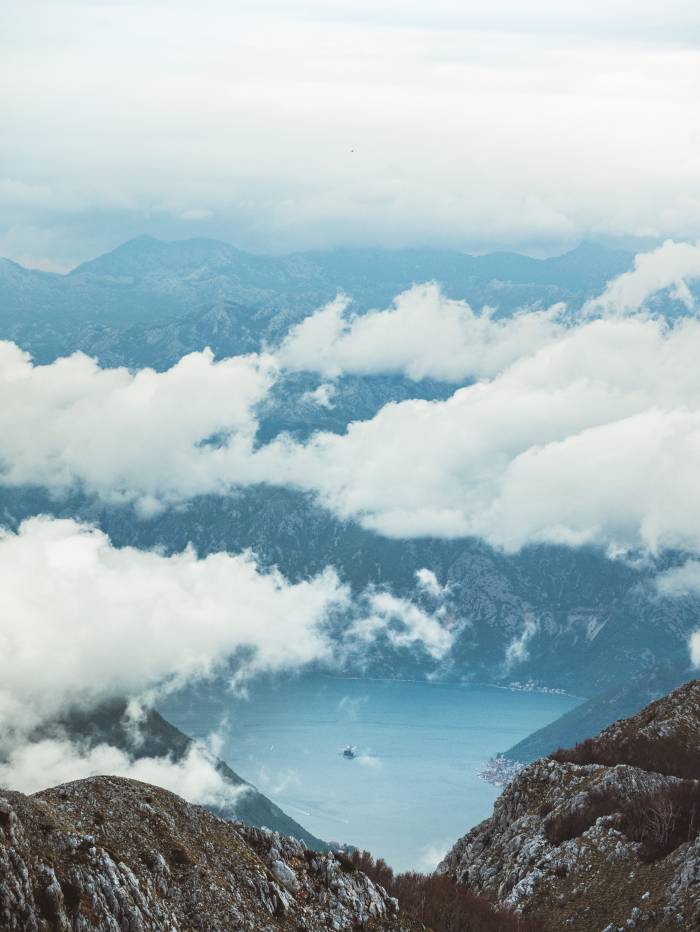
{"points": [[377, 871], [572, 824], [180, 857], [663, 820], [346, 863], [72, 895], [661, 754], [660, 821], [438, 902]]}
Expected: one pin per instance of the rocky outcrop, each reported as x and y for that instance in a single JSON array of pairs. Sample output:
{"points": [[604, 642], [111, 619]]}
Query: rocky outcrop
{"points": [[676, 715], [568, 842], [114, 854]]}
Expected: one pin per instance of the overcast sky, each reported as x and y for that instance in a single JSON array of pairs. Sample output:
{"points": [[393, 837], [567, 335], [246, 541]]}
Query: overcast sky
{"points": [[288, 125]]}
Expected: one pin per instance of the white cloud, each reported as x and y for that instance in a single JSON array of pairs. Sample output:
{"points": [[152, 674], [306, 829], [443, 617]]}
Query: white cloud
{"points": [[99, 621], [695, 649], [82, 621], [423, 335], [680, 580], [594, 438], [670, 266], [126, 436], [321, 396], [404, 624], [590, 437], [35, 766], [428, 581], [516, 651]]}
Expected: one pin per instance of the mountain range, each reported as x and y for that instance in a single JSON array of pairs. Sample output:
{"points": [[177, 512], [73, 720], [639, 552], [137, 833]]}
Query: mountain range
{"points": [[147, 298], [597, 627]]}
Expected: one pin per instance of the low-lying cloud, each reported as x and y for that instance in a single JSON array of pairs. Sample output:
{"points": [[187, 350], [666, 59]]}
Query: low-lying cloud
{"points": [[517, 650], [145, 437], [101, 622], [573, 445], [589, 434], [404, 624], [679, 581], [423, 335], [671, 266], [83, 622], [36, 765]]}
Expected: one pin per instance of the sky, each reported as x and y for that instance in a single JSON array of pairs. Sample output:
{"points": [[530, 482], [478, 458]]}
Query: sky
{"points": [[290, 125]]}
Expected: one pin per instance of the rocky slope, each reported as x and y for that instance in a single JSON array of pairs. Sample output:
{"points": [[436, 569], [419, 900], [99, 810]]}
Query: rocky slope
{"points": [[114, 854], [604, 837]]}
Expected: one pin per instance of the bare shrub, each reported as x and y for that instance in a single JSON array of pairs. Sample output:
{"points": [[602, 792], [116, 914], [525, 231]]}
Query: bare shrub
{"points": [[438, 902], [663, 754], [346, 863], [663, 820], [573, 823], [659, 821]]}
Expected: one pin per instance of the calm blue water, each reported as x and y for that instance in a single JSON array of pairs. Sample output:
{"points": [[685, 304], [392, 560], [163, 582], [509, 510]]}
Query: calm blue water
{"points": [[414, 787]]}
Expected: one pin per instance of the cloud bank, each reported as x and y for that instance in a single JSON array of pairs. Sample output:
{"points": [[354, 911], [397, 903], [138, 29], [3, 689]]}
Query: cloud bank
{"points": [[682, 581], [404, 624], [143, 437], [103, 622], [424, 335], [587, 433], [82, 622], [570, 445], [37, 765], [285, 125]]}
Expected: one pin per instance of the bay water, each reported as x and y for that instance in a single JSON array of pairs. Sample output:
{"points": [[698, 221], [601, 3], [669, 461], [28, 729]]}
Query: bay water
{"points": [[413, 787]]}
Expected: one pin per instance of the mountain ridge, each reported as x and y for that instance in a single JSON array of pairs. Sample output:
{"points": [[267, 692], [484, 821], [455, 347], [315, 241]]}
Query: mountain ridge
{"points": [[604, 836], [109, 853], [147, 281]]}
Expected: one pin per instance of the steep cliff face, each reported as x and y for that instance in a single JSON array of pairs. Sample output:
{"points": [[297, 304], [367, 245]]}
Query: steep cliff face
{"points": [[114, 854], [606, 836]]}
